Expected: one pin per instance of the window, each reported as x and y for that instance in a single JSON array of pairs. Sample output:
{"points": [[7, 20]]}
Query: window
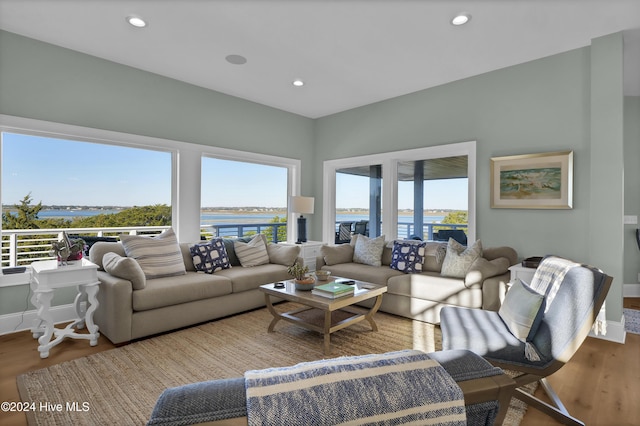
{"points": [[409, 186], [51, 183], [431, 191], [172, 171], [358, 202], [241, 198]]}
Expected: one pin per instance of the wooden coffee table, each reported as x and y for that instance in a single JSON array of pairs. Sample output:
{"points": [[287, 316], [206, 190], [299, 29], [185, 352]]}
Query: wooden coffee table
{"points": [[322, 314]]}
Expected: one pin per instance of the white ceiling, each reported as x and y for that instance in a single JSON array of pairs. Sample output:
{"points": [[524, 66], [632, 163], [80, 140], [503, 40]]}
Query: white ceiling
{"points": [[349, 52]]}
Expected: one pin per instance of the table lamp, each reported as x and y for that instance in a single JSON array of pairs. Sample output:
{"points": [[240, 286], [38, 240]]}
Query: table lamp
{"points": [[302, 205]]}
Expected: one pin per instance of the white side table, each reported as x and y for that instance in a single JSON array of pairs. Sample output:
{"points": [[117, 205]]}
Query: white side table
{"points": [[308, 252], [46, 276], [519, 271]]}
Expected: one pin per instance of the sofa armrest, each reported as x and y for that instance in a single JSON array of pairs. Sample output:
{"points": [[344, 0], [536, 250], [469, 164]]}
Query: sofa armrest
{"points": [[115, 307], [494, 290], [492, 253]]}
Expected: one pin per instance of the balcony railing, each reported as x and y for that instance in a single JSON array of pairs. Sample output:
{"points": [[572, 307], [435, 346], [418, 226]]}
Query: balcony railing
{"points": [[20, 247], [407, 229]]}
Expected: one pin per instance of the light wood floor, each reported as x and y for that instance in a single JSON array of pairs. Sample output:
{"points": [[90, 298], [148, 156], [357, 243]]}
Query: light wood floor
{"points": [[600, 385]]}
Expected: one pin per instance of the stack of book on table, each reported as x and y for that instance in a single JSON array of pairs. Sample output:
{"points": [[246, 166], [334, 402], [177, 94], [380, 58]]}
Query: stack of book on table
{"points": [[333, 290]]}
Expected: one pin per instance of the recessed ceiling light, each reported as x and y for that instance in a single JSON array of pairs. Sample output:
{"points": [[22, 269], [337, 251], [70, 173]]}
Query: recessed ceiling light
{"points": [[298, 83], [136, 21], [236, 59], [461, 19]]}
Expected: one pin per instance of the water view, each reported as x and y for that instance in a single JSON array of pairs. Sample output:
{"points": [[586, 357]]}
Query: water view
{"points": [[233, 216]]}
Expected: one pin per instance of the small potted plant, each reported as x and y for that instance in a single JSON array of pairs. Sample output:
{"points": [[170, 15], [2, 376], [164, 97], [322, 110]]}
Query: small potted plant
{"points": [[302, 280]]}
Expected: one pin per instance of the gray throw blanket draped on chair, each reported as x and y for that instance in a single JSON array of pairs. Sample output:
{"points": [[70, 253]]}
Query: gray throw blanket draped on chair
{"points": [[393, 388]]}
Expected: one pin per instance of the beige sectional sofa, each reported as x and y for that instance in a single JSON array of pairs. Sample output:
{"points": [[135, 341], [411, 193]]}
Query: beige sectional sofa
{"points": [[130, 310], [423, 294]]}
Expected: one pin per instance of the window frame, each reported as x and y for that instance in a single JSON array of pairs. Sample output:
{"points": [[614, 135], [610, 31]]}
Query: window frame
{"points": [[389, 162]]}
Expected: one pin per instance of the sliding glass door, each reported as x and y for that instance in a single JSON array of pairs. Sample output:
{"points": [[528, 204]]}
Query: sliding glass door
{"points": [[424, 190]]}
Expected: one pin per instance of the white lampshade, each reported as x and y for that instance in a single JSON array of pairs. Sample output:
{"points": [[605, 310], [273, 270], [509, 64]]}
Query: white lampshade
{"points": [[302, 205]]}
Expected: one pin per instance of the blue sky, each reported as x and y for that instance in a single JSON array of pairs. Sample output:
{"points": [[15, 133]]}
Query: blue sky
{"points": [[64, 172], [353, 191]]}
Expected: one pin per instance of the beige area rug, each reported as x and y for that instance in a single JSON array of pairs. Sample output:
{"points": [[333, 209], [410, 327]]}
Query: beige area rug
{"points": [[120, 386]]}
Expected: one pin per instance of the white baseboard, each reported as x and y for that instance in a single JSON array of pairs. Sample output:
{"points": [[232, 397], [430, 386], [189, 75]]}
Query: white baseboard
{"points": [[20, 321], [631, 290], [615, 332]]}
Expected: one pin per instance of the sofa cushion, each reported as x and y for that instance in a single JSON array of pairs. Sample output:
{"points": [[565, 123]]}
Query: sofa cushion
{"points": [[99, 249], [126, 268], [522, 310], [244, 279], [253, 253], [407, 256], [210, 257], [358, 271], [282, 255], [158, 256], [433, 286], [459, 258], [167, 291], [434, 254], [342, 253], [368, 250]]}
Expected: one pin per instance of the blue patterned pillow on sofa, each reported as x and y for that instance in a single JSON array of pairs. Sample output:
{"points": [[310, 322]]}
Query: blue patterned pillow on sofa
{"points": [[210, 257], [407, 257]]}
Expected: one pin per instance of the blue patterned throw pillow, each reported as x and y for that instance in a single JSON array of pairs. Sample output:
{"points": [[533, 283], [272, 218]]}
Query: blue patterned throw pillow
{"points": [[210, 257], [407, 257]]}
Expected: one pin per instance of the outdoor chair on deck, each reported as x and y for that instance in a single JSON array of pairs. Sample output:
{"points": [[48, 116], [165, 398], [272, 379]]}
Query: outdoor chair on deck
{"points": [[456, 234], [344, 233], [362, 228], [538, 327]]}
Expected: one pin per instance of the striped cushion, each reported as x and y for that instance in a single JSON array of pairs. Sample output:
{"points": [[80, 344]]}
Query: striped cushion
{"points": [[158, 256], [253, 253]]}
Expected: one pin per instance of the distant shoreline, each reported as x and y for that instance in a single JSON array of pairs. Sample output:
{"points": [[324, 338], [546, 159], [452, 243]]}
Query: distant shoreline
{"points": [[224, 210]]}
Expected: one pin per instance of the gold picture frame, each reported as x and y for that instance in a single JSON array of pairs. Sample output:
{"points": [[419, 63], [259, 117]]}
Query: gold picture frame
{"points": [[532, 181]]}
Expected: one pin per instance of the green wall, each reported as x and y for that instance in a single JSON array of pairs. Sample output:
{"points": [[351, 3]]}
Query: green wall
{"points": [[47, 82], [540, 106]]}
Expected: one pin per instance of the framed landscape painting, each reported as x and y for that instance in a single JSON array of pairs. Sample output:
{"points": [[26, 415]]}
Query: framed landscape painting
{"points": [[532, 181]]}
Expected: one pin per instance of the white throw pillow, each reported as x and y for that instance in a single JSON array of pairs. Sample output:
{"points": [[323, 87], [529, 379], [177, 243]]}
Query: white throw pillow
{"points": [[459, 258], [522, 310], [253, 253], [368, 251]]}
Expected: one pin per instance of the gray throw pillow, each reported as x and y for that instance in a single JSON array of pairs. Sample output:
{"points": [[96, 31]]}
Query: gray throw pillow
{"points": [[158, 256], [126, 268], [459, 258], [368, 251]]}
